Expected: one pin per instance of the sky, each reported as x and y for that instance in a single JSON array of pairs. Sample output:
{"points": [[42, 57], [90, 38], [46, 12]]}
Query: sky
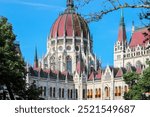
{"points": [[33, 19]]}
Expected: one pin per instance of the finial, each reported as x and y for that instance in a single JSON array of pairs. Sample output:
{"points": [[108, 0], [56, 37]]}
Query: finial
{"points": [[70, 3], [122, 13]]}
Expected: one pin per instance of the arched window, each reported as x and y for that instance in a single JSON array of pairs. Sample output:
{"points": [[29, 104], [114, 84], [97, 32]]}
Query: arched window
{"points": [[96, 93], [52, 63], [99, 93], [59, 92], [106, 92], [88, 93], [125, 89], [50, 91], [116, 91], [69, 64], [54, 92]]}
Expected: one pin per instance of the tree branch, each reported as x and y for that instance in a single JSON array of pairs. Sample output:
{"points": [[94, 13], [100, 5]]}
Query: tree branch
{"points": [[99, 15]]}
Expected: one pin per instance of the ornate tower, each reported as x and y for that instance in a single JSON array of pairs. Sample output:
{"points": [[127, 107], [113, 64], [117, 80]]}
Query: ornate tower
{"points": [[68, 42], [121, 44]]}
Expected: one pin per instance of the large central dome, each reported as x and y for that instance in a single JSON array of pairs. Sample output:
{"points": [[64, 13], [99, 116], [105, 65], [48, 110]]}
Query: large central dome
{"points": [[69, 24]]}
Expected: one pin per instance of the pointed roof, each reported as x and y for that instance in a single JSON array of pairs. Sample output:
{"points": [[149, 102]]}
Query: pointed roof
{"points": [[91, 76], [138, 37], [99, 74], [120, 72], [122, 31]]}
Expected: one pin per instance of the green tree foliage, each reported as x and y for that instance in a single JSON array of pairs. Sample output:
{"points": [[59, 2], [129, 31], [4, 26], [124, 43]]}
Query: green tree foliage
{"points": [[12, 66], [139, 85]]}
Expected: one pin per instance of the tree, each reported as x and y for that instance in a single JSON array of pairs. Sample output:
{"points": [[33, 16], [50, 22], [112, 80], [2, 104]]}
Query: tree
{"points": [[139, 85], [12, 65], [32, 92], [107, 6]]}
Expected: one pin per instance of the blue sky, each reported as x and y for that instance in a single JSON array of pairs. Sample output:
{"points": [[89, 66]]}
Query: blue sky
{"points": [[33, 19]]}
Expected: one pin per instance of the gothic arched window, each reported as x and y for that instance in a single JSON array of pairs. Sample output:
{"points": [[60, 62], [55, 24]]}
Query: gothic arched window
{"points": [[106, 91], [99, 93], [69, 64], [52, 63]]}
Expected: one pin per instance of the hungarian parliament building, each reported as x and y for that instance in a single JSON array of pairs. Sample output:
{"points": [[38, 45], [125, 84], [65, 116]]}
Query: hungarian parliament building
{"points": [[70, 71]]}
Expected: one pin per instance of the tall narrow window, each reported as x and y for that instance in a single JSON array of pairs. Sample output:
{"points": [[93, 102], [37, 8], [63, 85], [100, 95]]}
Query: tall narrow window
{"points": [[44, 91], [96, 93], [62, 93], [59, 92], [76, 93], [53, 92], [106, 92], [71, 94], [69, 64], [68, 93], [120, 91], [116, 91], [99, 93], [50, 91], [91, 93], [125, 89], [83, 93]]}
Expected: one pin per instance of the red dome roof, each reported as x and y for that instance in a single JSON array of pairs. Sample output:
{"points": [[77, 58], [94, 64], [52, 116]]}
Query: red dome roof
{"points": [[69, 24]]}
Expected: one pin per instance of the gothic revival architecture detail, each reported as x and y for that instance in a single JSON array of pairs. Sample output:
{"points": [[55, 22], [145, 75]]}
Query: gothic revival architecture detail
{"points": [[70, 71]]}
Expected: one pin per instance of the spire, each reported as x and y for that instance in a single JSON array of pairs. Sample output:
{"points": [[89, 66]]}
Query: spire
{"points": [[122, 30], [35, 59], [133, 28], [122, 18]]}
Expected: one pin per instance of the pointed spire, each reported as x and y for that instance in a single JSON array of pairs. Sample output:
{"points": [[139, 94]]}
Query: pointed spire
{"points": [[122, 30], [35, 59], [133, 27], [122, 18]]}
